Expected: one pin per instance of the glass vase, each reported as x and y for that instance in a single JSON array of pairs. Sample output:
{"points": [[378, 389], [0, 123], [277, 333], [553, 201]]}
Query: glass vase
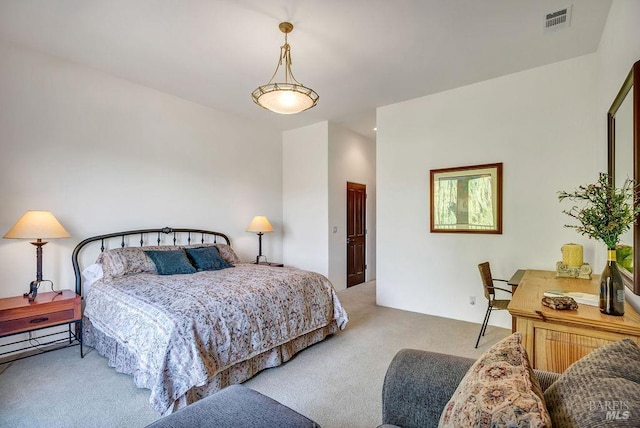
{"points": [[611, 287]]}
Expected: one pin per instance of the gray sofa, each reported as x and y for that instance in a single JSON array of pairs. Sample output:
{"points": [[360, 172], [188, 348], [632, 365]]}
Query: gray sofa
{"points": [[418, 385], [235, 407]]}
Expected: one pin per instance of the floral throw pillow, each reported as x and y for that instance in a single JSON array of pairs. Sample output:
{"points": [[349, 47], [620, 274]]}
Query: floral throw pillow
{"points": [[500, 389]]}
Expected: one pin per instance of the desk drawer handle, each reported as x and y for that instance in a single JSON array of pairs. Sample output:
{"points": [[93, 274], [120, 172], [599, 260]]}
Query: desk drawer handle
{"points": [[37, 320]]}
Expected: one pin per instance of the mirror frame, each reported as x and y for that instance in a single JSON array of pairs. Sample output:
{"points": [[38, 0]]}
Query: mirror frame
{"points": [[630, 85]]}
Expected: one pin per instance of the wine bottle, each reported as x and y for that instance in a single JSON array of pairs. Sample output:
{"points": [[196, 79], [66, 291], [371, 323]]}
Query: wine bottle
{"points": [[611, 287]]}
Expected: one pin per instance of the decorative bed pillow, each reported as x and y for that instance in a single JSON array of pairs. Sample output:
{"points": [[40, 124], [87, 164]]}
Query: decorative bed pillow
{"points": [[499, 389], [172, 262], [128, 260], [600, 389], [228, 254], [91, 274], [206, 258]]}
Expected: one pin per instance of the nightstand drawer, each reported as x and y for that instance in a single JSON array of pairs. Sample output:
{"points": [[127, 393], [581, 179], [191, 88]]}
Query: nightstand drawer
{"points": [[36, 321]]}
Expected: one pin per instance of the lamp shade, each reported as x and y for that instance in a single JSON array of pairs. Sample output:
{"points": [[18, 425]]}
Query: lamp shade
{"points": [[37, 225], [260, 224]]}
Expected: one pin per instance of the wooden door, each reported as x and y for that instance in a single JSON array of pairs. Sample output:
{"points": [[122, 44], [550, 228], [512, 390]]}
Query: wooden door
{"points": [[356, 233]]}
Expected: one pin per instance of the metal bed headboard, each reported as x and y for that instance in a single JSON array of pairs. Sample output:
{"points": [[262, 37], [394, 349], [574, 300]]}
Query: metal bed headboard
{"points": [[144, 233]]}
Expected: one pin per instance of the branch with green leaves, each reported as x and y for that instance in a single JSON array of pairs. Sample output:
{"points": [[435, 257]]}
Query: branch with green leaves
{"points": [[608, 212]]}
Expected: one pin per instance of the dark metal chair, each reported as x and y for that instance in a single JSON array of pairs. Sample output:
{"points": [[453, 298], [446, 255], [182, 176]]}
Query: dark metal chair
{"points": [[490, 294]]}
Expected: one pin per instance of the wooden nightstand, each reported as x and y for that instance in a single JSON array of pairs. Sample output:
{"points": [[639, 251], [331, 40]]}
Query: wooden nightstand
{"points": [[272, 264], [50, 309]]}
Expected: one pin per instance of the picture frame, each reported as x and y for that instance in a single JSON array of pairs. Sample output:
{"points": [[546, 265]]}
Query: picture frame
{"points": [[466, 199]]}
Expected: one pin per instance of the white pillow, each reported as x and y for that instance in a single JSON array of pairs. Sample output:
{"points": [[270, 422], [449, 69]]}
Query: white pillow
{"points": [[91, 274]]}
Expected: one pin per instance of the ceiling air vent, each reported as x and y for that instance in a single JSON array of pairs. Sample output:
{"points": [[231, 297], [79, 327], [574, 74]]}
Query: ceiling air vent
{"points": [[558, 19]]}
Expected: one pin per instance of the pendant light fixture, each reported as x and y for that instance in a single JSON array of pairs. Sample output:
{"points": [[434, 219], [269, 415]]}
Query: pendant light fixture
{"points": [[290, 96]]}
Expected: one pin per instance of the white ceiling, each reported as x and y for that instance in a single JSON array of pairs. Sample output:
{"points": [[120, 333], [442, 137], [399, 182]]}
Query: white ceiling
{"points": [[357, 54]]}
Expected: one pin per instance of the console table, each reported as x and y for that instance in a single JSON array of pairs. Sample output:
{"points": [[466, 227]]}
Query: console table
{"points": [[554, 339]]}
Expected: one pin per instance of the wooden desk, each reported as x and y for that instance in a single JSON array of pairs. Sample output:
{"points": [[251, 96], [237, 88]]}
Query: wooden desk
{"points": [[555, 339], [514, 281]]}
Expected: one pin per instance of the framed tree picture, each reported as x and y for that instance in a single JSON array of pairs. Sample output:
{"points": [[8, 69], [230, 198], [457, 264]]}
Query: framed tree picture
{"points": [[467, 199]]}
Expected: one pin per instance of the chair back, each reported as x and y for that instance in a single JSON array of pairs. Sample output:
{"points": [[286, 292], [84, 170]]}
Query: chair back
{"points": [[487, 280]]}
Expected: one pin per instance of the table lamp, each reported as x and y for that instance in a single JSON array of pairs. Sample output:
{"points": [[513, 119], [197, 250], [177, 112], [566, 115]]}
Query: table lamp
{"points": [[37, 225], [259, 225]]}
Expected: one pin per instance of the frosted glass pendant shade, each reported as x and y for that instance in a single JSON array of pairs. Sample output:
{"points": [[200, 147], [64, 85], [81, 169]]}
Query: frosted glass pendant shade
{"points": [[288, 96], [285, 98]]}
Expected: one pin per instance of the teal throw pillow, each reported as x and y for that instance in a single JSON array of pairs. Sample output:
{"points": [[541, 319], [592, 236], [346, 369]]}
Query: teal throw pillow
{"points": [[207, 258], [171, 262]]}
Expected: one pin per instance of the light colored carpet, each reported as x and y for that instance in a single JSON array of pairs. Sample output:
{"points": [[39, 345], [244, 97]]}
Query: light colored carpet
{"points": [[337, 382]]}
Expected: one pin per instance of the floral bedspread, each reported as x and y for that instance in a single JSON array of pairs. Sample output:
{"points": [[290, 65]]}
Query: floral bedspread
{"points": [[185, 329]]}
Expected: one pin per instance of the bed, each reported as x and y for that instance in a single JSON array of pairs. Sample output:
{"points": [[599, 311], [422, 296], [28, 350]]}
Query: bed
{"points": [[192, 332]]}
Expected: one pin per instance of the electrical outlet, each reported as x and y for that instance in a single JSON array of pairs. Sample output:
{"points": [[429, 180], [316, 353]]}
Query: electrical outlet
{"points": [[472, 300]]}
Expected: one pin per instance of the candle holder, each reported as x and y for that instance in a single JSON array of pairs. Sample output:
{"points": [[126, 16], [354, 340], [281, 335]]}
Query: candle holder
{"points": [[566, 271]]}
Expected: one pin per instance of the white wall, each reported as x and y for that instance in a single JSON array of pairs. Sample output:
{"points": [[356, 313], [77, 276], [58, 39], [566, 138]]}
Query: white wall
{"points": [[352, 158], [305, 197], [619, 49], [104, 154], [317, 162], [542, 124]]}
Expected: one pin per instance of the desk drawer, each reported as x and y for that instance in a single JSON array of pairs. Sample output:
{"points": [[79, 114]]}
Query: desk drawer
{"points": [[35, 321]]}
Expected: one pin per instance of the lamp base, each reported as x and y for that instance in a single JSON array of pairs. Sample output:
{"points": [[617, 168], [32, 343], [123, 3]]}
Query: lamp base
{"points": [[33, 291]]}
